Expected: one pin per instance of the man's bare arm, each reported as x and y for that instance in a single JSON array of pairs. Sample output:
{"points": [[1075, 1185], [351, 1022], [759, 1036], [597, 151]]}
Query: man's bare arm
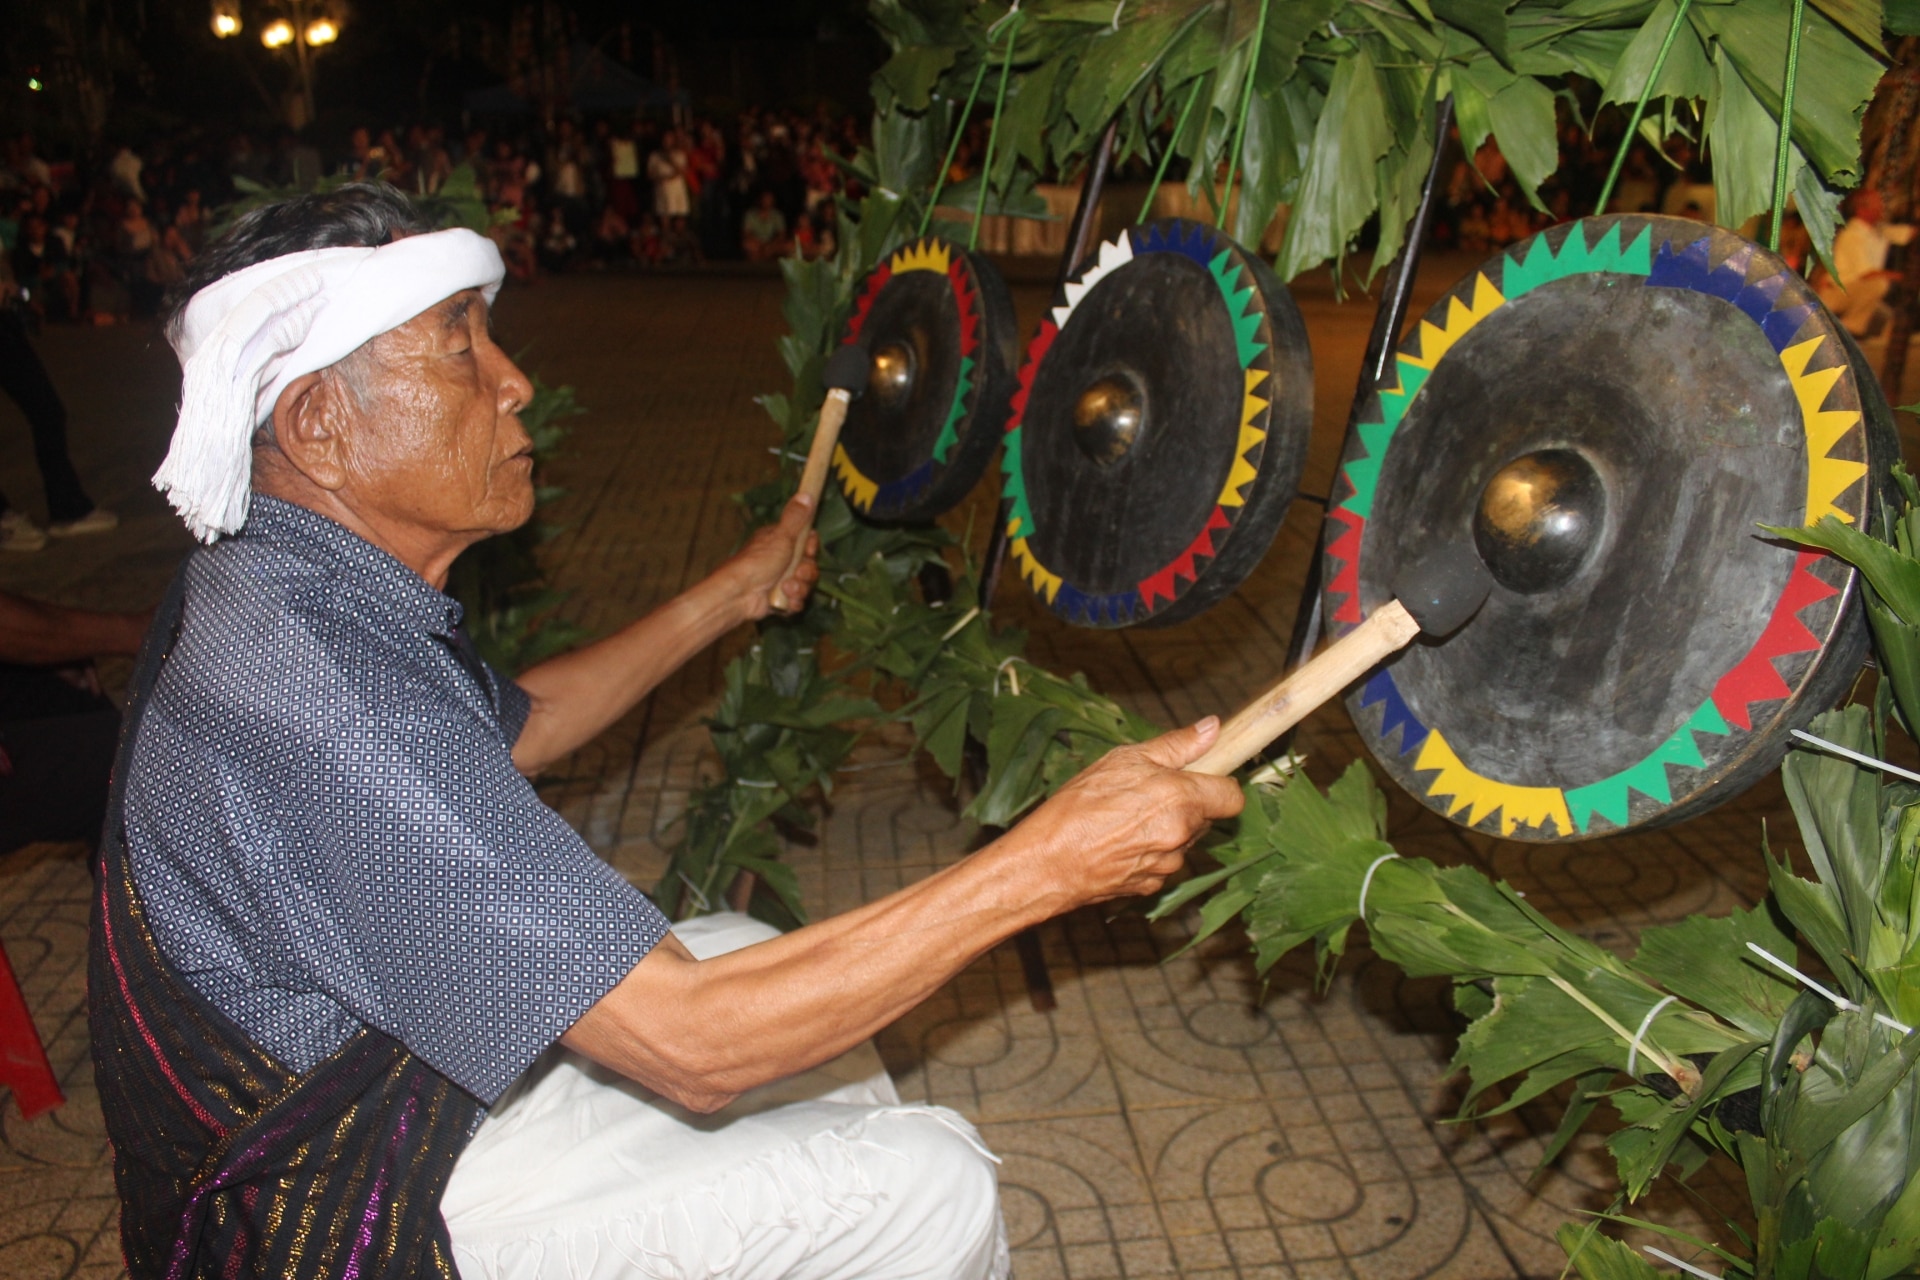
{"points": [[39, 634], [703, 1032], [579, 695]]}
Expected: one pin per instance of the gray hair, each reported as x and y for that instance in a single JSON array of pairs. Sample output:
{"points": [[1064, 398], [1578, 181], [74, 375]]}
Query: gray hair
{"points": [[356, 215]]}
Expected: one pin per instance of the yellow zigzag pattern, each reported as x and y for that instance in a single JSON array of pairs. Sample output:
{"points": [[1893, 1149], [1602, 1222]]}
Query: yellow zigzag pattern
{"points": [[1436, 341], [1827, 478], [923, 255], [1482, 795], [862, 490], [1043, 582], [1244, 472]]}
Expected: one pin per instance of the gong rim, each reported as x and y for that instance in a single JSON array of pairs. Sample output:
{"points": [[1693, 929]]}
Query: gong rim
{"points": [[977, 322], [1271, 411], [1797, 659]]}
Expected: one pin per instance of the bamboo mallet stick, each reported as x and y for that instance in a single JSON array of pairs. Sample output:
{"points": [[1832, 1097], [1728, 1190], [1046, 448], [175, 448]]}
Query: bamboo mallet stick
{"points": [[1438, 595], [845, 378]]}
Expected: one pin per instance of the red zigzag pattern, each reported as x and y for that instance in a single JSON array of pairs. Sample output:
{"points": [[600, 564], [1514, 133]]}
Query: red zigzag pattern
{"points": [[1345, 550], [875, 283], [1753, 678]]}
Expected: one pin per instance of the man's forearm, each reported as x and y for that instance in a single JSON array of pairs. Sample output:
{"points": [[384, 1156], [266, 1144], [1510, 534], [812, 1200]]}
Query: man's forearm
{"points": [[578, 695], [714, 1029], [702, 1032]]}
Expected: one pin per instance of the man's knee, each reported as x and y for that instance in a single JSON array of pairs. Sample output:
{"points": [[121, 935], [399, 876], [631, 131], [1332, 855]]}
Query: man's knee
{"points": [[942, 1196]]}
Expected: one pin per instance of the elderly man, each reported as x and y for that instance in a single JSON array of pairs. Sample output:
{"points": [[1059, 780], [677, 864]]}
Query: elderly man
{"points": [[336, 928]]}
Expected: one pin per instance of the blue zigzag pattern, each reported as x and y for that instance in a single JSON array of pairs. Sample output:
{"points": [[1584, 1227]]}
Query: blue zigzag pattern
{"points": [[1397, 714], [1689, 269], [1088, 609], [1196, 242]]}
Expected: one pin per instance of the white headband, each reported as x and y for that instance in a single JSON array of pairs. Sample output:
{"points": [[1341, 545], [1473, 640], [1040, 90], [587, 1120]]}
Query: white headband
{"points": [[244, 337]]}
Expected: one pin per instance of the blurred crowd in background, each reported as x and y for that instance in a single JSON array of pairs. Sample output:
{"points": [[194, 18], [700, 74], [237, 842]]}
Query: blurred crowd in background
{"points": [[101, 242]]}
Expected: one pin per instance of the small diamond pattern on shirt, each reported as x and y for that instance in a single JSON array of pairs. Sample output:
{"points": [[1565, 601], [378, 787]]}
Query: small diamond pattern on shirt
{"points": [[327, 829]]}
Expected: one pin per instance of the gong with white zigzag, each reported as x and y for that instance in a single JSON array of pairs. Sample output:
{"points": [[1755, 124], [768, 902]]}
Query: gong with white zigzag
{"points": [[1609, 412], [1158, 428], [937, 325]]}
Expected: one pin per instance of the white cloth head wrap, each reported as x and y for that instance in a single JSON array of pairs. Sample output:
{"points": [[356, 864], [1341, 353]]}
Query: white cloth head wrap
{"points": [[244, 337]]}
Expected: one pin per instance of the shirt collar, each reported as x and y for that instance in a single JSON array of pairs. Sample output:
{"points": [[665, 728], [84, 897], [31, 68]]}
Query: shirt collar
{"points": [[312, 536]]}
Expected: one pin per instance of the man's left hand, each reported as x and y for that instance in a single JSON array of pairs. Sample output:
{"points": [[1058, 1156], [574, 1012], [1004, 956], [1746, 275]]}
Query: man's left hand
{"points": [[761, 565]]}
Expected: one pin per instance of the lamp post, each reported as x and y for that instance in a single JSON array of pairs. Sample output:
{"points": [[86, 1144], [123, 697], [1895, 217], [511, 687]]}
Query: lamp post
{"points": [[302, 26]]}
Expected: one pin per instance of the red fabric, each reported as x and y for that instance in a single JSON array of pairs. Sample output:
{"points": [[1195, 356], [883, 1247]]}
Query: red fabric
{"points": [[23, 1060]]}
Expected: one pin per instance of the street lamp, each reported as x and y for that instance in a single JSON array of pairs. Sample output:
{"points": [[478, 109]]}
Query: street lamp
{"points": [[304, 26]]}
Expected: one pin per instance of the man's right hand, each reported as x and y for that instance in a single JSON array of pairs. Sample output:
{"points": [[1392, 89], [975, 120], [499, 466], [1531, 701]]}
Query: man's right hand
{"points": [[1124, 825]]}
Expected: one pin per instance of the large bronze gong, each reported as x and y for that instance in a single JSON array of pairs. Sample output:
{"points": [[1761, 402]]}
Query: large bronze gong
{"points": [[938, 327], [1158, 430], [1608, 412]]}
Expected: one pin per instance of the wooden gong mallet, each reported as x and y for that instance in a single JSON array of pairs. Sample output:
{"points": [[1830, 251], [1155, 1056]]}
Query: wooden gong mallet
{"points": [[845, 377], [1437, 595]]}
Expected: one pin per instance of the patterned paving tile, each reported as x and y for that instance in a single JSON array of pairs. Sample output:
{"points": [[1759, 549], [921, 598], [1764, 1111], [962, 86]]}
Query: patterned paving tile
{"points": [[1174, 1115]]}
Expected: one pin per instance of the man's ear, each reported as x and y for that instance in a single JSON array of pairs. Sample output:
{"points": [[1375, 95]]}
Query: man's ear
{"points": [[310, 429]]}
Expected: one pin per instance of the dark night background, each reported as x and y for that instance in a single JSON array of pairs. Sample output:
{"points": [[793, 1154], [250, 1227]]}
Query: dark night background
{"points": [[119, 70]]}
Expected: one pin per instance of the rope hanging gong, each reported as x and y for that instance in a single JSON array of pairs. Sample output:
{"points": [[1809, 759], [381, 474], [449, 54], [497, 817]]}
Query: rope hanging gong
{"points": [[1607, 411], [1158, 429], [937, 325]]}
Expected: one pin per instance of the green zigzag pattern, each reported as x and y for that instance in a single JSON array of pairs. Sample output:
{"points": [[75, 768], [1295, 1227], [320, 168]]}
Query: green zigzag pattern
{"points": [[1518, 276], [1245, 323], [1364, 473], [950, 429], [1543, 265], [1019, 514], [1609, 797]]}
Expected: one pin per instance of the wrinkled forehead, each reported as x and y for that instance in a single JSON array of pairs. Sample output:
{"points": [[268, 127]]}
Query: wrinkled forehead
{"points": [[459, 313]]}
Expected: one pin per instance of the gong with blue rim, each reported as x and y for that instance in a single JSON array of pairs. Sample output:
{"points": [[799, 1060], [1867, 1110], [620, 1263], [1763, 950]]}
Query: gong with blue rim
{"points": [[1608, 412], [937, 327], [1158, 428]]}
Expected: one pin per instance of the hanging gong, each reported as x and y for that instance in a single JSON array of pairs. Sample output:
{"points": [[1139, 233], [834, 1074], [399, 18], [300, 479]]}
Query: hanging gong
{"points": [[1158, 430], [1607, 412], [938, 327]]}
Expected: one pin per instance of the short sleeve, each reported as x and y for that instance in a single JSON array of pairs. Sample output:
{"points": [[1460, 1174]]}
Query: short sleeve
{"points": [[477, 925], [515, 706]]}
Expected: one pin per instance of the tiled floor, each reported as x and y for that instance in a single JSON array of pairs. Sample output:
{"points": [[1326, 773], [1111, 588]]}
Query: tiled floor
{"points": [[1171, 1116]]}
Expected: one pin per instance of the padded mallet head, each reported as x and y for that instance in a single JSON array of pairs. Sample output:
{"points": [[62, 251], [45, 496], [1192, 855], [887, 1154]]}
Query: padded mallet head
{"points": [[1444, 588], [847, 369]]}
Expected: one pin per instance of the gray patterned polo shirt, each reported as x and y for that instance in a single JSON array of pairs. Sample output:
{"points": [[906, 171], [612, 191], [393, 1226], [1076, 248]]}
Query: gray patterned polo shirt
{"points": [[327, 829]]}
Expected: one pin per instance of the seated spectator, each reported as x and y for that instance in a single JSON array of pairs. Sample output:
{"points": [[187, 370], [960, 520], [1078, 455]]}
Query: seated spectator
{"points": [[763, 232], [612, 236], [679, 241], [190, 220], [557, 245], [57, 730], [647, 247], [1860, 261]]}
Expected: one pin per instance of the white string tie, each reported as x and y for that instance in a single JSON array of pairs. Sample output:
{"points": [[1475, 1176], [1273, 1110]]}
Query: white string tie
{"points": [[1366, 882], [1839, 1001], [1013, 677], [1684, 1266], [1633, 1050], [1856, 756], [961, 625]]}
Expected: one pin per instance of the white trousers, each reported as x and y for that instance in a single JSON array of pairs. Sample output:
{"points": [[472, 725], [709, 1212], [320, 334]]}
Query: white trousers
{"points": [[578, 1174]]}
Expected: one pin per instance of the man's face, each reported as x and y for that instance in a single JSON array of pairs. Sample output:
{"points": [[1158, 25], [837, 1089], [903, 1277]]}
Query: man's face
{"points": [[439, 444]]}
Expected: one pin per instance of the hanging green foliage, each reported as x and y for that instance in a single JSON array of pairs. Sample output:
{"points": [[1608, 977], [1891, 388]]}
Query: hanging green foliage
{"points": [[1339, 102], [1700, 1047]]}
